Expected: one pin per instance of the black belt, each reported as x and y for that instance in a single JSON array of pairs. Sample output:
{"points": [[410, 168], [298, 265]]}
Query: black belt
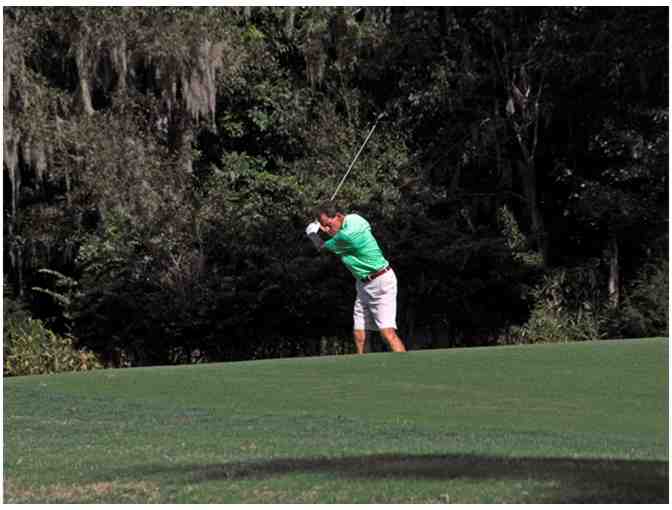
{"points": [[375, 275]]}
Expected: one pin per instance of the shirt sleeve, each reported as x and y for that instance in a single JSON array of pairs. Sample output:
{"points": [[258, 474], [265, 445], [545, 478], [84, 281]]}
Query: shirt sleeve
{"points": [[337, 244]]}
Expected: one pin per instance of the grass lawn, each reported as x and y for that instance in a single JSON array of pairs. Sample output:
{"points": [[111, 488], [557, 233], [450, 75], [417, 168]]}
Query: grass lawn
{"points": [[570, 423]]}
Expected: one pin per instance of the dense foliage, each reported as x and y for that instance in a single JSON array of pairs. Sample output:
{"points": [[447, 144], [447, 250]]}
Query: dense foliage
{"points": [[160, 165], [30, 348]]}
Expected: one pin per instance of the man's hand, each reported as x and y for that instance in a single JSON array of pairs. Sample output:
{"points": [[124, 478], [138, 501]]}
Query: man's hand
{"points": [[313, 228], [312, 231]]}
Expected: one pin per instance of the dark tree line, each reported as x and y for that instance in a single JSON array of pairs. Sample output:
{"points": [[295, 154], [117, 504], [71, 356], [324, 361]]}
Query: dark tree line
{"points": [[160, 164]]}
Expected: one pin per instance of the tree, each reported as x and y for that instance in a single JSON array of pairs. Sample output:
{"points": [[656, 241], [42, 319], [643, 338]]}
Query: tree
{"points": [[164, 161], [616, 159]]}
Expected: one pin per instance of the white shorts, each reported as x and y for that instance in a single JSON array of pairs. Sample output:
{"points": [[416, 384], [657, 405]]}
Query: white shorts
{"points": [[376, 303]]}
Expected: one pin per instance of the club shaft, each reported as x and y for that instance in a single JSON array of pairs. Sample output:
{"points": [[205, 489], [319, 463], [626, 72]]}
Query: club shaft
{"points": [[354, 160]]}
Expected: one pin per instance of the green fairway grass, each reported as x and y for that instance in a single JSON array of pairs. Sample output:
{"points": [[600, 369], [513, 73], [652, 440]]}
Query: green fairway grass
{"points": [[561, 423]]}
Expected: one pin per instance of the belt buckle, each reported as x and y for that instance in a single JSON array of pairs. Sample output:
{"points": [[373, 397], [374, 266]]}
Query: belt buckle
{"points": [[375, 275]]}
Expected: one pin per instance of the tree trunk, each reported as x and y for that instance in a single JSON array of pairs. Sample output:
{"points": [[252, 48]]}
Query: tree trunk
{"points": [[529, 178], [442, 18], [409, 330], [454, 185], [180, 138], [16, 266], [289, 22], [397, 15], [83, 94], [120, 63], [614, 274]]}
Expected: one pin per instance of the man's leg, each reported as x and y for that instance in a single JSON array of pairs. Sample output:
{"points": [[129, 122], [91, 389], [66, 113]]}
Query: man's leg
{"points": [[390, 336], [360, 340], [361, 319], [384, 309]]}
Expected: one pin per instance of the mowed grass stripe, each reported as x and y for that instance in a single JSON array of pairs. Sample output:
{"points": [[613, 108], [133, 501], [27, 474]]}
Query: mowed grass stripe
{"points": [[532, 417]]}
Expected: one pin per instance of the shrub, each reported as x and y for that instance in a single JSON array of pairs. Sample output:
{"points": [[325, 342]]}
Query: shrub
{"points": [[12, 307], [645, 307], [566, 308], [30, 348], [330, 346], [551, 325]]}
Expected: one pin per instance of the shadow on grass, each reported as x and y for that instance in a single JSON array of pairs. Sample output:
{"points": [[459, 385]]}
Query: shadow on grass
{"points": [[573, 480]]}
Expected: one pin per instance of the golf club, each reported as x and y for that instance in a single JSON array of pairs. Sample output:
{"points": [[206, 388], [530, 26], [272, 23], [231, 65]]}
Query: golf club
{"points": [[357, 155]]}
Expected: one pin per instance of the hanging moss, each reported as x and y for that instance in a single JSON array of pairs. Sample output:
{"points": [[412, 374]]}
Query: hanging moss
{"points": [[110, 58], [198, 81], [190, 85], [316, 58], [11, 163], [10, 66]]}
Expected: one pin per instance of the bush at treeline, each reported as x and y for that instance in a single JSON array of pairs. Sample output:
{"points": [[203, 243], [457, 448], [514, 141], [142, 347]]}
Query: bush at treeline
{"points": [[30, 348], [160, 164]]}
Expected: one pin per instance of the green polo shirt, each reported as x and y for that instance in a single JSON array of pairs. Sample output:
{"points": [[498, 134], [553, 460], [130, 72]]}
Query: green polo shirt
{"points": [[357, 247]]}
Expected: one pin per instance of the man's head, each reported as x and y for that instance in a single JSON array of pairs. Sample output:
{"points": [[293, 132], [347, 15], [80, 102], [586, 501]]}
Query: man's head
{"points": [[330, 217]]}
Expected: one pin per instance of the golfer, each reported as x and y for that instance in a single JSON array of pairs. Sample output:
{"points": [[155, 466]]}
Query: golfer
{"points": [[376, 284]]}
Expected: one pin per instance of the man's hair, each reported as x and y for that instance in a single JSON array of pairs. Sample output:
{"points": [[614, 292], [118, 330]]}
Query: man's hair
{"points": [[328, 208]]}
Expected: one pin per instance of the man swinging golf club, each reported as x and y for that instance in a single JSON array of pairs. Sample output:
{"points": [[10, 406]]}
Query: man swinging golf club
{"points": [[376, 284]]}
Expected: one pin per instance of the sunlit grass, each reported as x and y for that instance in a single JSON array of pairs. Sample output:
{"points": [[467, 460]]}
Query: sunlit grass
{"points": [[580, 422]]}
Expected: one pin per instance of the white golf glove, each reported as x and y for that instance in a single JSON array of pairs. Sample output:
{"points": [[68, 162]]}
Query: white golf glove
{"points": [[313, 228], [312, 231]]}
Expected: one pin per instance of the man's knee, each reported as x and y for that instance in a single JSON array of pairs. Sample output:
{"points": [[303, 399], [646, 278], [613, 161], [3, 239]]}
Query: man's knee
{"points": [[391, 337], [388, 333], [360, 339]]}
